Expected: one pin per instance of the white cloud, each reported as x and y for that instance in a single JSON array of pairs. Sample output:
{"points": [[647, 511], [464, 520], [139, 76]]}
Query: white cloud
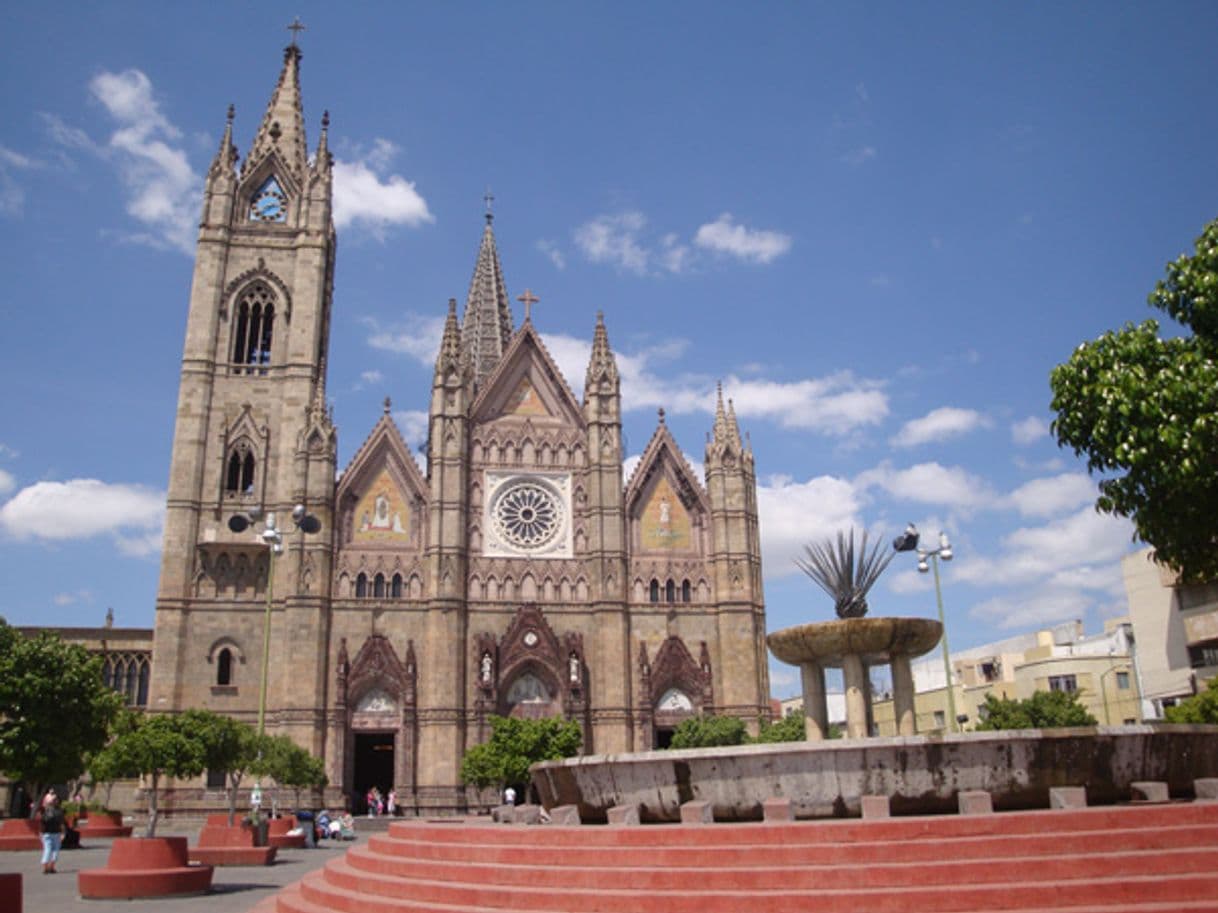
{"points": [[162, 188], [1065, 551], [792, 514], [365, 197], [1029, 430], [413, 425], [1030, 611], [614, 239], [82, 508], [929, 483], [7, 482], [419, 337], [553, 253], [72, 598], [859, 156], [674, 256], [937, 425], [371, 377], [65, 134], [1045, 497], [752, 245], [12, 195]]}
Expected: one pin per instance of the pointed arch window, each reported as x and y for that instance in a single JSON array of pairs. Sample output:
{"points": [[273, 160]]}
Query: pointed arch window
{"points": [[670, 591], [269, 203], [254, 330], [378, 586], [361, 586], [224, 667], [655, 590], [239, 470], [686, 591], [396, 590]]}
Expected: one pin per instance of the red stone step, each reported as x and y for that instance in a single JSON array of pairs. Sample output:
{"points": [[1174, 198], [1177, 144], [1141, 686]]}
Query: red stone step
{"points": [[803, 847], [763, 873]]}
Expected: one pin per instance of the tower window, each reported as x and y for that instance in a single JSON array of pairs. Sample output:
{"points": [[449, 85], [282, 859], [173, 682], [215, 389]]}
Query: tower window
{"points": [[670, 591], [396, 591], [361, 586], [254, 331], [224, 667], [378, 586], [239, 474], [655, 590], [685, 591]]}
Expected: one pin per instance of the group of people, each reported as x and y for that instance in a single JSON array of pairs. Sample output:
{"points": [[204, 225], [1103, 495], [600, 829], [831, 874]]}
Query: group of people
{"points": [[338, 827], [381, 805]]}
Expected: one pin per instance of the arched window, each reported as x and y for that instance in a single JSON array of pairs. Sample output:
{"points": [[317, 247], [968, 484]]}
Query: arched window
{"points": [[378, 586], [685, 591], [239, 473], [397, 586], [670, 591], [224, 667], [254, 330], [141, 698], [361, 586], [655, 590]]}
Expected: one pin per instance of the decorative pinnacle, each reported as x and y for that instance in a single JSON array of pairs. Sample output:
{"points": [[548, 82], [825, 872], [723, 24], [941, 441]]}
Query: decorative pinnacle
{"points": [[296, 28], [325, 120], [232, 111]]}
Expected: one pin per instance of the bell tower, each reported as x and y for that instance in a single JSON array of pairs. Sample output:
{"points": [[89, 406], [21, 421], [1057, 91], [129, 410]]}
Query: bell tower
{"points": [[253, 433]]}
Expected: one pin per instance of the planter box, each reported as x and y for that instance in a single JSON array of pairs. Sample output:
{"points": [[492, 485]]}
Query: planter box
{"points": [[151, 867]]}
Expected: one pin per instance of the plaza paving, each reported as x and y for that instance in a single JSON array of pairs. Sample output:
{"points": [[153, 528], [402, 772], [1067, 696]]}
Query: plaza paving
{"points": [[234, 889]]}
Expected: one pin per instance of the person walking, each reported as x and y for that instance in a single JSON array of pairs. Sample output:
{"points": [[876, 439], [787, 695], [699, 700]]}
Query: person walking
{"points": [[52, 827], [391, 807]]}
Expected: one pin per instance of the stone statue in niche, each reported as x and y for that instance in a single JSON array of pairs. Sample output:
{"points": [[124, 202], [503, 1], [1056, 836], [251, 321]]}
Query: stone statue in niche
{"points": [[573, 668], [486, 668]]}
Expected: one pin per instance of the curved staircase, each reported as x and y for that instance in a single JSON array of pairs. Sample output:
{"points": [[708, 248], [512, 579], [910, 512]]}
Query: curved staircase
{"points": [[1094, 860]]}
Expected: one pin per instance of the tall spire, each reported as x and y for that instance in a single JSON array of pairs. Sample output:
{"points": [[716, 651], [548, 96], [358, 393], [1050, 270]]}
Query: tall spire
{"points": [[450, 355], [226, 155], [487, 325], [733, 429], [720, 431], [602, 365], [282, 128]]}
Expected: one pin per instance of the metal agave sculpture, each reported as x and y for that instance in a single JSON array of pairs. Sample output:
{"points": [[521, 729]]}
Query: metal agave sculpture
{"points": [[833, 565]]}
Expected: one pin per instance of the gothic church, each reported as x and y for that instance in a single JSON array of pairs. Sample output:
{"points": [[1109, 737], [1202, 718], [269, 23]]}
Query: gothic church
{"points": [[519, 573]]}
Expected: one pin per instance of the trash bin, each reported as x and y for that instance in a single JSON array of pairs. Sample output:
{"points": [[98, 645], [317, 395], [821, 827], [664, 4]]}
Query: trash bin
{"points": [[305, 820]]}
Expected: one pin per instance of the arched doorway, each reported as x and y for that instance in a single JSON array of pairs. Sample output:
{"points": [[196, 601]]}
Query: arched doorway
{"points": [[672, 709]]}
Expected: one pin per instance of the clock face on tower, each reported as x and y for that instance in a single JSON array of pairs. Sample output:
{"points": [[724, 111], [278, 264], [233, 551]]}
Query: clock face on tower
{"points": [[528, 515], [269, 203]]}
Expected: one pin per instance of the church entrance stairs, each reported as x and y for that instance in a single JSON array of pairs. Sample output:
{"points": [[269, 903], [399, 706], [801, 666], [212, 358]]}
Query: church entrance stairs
{"points": [[1121, 859]]}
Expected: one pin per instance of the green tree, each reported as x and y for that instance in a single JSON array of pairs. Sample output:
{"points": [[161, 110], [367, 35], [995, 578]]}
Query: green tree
{"points": [[290, 765], [791, 728], [514, 746], [229, 746], [1043, 710], [1144, 410], [54, 709], [1200, 708], [156, 747], [709, 731]]}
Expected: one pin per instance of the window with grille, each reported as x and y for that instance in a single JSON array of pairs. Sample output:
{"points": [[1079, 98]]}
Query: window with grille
{"points": [[254, 330]]}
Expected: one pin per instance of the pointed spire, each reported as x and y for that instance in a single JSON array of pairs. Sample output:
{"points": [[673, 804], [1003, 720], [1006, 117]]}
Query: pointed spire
{"points": [[602, 365], [450, 343], [733, 429], [323, 161], [487, 325], [282, 129], [720, 431], [226, 155]]}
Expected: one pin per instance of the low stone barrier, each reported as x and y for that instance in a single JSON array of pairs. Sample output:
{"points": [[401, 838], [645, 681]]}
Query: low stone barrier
{"points": [[919, 774]]}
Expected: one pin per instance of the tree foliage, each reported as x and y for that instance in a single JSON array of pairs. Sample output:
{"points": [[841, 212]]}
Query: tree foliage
{"points": [[514, 746], [1200, 708], [1144, 411], [709, 731], [1043, 710], [791, 728], [289, 765], [54, 709]]}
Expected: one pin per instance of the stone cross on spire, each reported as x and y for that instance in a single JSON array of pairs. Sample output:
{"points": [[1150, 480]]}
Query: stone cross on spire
{"points": [[489, 198], [528, 299], [296, 28]]}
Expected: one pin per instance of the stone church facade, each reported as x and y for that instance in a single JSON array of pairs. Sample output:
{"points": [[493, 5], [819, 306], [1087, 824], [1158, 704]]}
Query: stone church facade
{"points": [[518, 573]]}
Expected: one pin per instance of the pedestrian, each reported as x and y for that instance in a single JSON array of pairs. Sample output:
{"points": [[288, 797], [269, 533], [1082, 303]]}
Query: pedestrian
{"points": [[52, 831], [392, 806], [509, 796]]}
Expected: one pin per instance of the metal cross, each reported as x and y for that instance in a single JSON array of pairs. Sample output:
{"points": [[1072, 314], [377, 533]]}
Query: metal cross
{"points": [[488, 198], [296, 28], [529, 299]]}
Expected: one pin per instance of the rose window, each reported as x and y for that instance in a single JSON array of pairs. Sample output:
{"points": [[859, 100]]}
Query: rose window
{"points": [[527, 515]]}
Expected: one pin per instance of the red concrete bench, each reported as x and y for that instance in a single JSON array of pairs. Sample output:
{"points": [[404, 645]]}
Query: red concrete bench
{"points": [[220, 844], [145, 867], [20, 834], [278, 834], [103, 824], [10, 892]]}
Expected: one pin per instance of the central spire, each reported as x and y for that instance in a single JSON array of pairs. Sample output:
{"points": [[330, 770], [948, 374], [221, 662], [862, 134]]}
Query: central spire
{"points": [[487, 325], [282, 130]]}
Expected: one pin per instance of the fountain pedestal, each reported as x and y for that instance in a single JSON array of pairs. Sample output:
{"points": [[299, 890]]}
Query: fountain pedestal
{"points": [[854, 644]]}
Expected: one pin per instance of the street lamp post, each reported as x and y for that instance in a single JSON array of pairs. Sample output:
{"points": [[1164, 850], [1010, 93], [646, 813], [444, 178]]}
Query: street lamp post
{"points": [[272, 538], [908, 542]]}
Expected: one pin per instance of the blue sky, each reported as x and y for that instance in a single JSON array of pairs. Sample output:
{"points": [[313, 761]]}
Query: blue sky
{"points": [[879, 224]]}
